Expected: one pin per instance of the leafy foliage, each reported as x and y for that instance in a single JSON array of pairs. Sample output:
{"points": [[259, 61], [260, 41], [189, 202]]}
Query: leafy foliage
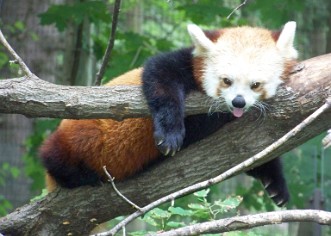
{"points": [[197, 11], [307, 170], [199, 210], [6, 171], [62, 15], [266, 10], [17, 28]]}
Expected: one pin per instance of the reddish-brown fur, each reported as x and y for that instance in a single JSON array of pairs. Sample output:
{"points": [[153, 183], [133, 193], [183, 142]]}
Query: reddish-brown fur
{"points": [[123, 147]]}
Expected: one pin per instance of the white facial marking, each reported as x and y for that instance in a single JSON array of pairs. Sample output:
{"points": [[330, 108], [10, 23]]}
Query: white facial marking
{"points": [[245, 56], [243, 67]]}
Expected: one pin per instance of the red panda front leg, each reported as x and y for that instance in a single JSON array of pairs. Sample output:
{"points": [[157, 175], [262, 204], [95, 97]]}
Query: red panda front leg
{"points": [[167, 79]]}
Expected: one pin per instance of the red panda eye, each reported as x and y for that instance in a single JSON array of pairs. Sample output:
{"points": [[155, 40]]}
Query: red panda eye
{"points": [[255, 85], [227, 81]]}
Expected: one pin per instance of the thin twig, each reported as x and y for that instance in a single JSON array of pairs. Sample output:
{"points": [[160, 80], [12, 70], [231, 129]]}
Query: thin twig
{"points": [[252, 221], [111, 180], [227, 174], [237, 8], [20, 62], [326, 142], [110, 45]]}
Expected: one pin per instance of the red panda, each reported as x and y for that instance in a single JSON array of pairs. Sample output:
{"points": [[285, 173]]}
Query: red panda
{"points": [[241, 65]]}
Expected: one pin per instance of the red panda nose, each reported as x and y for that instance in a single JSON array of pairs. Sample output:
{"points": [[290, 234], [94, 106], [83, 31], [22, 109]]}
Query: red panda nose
{"points": [[239, 102]]}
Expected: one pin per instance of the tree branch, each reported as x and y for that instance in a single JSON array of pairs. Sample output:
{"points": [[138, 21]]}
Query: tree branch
{"points": [[110, 45], [247, 164], [17, 58], [252, 221], [111, 180], [304, 92], [38, 98], [236, 9]]}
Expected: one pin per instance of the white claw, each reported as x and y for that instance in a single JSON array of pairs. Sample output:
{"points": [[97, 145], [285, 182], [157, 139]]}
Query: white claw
{"points": [[280, 202], [167, 152], [267, 184], [271, 195], [160, 142]]}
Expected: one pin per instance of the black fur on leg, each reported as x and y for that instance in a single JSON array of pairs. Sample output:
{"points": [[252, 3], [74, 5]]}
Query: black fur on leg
{"points": [[271, 176], [167, 79]]}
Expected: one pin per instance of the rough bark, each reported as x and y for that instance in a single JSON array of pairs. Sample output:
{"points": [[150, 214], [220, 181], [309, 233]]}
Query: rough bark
{"points": [[251, 221], [78, 211], [38, 98]]}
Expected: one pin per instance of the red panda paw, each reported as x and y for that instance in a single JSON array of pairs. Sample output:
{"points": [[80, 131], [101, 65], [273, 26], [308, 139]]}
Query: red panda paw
{"points": [[169, 143], [277, 190]]}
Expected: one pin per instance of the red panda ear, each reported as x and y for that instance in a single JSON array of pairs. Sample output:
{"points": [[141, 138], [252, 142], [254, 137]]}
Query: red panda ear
{"points": [[275, 35], [213, 35], [201, 42], [285, 41]]}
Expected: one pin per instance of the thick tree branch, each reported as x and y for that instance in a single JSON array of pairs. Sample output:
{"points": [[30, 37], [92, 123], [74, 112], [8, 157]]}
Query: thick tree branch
{"points": [[303, 93], [227, 174], [251, 221], [37, 98]]}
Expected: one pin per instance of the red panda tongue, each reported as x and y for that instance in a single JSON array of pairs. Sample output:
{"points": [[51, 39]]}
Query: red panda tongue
{"points": [[237, 112]]}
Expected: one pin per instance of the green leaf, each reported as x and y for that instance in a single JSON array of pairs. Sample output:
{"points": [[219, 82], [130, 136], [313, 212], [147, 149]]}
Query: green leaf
{"points": [[140, 233], [3, 59], [196, 12], [174, 224], [196, 206], [229, 203], [149, 220], [5, 166], [158, 213], [15, 172], [202, 193], [62, 14], [180, 211], [19, 25], [5, 206], [43, 194]]}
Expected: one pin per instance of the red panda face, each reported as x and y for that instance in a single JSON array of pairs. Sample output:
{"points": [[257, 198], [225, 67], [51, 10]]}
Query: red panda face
{"points": [[243, 65]]}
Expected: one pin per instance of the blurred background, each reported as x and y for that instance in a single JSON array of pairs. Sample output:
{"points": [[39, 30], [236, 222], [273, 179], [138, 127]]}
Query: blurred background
{"points": [[63, 41]]}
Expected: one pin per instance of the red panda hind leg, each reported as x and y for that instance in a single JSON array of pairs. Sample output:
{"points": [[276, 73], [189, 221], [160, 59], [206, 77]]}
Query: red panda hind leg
{"points": [[64, 168], [51, 184], [74, 155]]}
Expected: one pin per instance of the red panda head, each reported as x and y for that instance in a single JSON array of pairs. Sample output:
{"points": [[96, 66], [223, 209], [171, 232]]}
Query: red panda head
{"points": [[242, 65]]}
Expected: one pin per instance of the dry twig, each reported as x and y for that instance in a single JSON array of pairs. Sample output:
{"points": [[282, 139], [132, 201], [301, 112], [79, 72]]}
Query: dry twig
{"points": [[227, 174], [110, 45], [111, 180], [326, 142], [17, 58], [237, 8]]}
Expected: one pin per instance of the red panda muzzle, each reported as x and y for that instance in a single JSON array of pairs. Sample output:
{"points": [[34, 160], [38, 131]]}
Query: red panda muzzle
{"points": [[238, 106]]}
